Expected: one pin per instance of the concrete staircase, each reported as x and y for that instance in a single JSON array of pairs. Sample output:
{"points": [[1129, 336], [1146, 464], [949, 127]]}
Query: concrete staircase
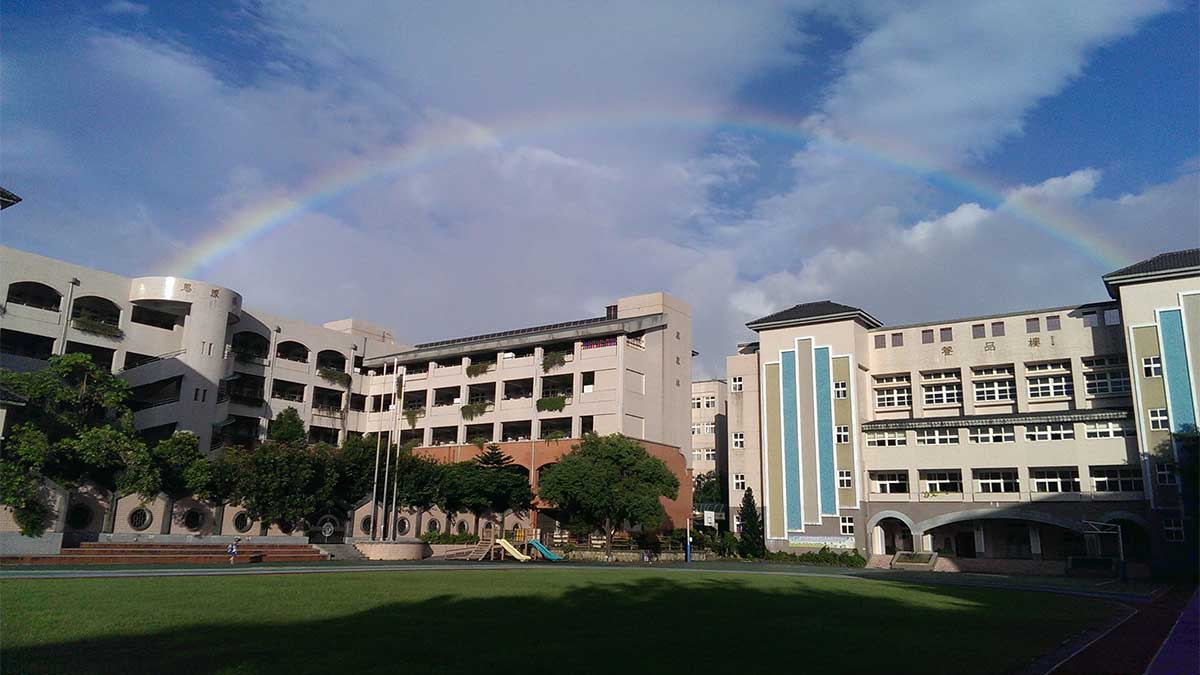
{"points": [[341, 551], [879, 562], [147, 553]]}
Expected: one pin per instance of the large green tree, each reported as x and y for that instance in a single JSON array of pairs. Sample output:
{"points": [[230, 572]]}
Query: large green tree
{"points": [[183, 467], [751, 543], [707, 489], [608, 481], [280, 483], [287, 427], [75, 427]]}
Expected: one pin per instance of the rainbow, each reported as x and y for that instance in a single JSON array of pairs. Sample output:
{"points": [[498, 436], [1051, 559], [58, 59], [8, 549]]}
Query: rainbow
{"points": [[264, 216]]}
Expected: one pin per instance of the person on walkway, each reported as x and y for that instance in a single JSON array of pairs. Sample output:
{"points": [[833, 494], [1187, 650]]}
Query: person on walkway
{"points": [[233, 549]]}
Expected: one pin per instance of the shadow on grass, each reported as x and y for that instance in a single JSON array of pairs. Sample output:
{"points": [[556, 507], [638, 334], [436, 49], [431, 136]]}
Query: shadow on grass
{"points": [[644, 625]]}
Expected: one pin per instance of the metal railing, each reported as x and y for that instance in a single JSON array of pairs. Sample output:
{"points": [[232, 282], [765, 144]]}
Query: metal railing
{"points": [[156, 359]]}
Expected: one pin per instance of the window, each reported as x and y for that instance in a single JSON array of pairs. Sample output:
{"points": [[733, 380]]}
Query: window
{"points": [[710, 454], [1033, 325], [739, 440], [847, 524], [710, 401], [992, 435], [897, 339], [1152, 366], [927, 336], [1091, 319], [880, 341], [735, 383], [1116, 479], [1107, 361], [937, 394], [889, 482], [588, 381], [940, 375], [1051, 386], [1112, 317], [997, 329], [842, 434], [893, 398], [845, 478], [937, 436], [879, 439], [942, 481], [996, 390], [1108, 430], [1173, 529], [710, 428], [993, 481], [695, 429], [979, 330], [1053, 323], [1107, 382], [739, 481], [1159, 420], [946, 334], [841, 389], [891, 379], [1165, 473], [1049, 432], [993, 371], [695, 403], [1055, 480]]}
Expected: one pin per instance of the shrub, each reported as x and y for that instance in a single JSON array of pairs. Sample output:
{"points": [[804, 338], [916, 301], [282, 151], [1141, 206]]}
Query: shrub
{"points": [[334, 375], [480, 368], [554, 436], [411, 415], [824, 557], [449, 538], [552, 360], [472, 410], [90, 325], [553, 403]]}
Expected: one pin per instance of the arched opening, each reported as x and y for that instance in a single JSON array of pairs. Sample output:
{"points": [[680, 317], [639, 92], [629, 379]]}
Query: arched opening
{"points": [[90, 309], [434, 526], [891, 535], [290, 350], [331, 359], [248, 345], [1135, 542], [541, 471], [34, 294]]}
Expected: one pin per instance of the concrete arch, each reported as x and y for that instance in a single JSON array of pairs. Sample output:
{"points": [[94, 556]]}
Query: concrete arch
{"points": [[893, 514], [996, 514], [1125, 515]]}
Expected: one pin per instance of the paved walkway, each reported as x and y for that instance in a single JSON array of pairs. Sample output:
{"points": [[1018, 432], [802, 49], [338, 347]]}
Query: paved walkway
{"points": [[1181, 652]]}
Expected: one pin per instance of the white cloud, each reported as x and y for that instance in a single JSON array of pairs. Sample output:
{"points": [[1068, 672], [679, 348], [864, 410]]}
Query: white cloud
{"points": [[125, 7]]}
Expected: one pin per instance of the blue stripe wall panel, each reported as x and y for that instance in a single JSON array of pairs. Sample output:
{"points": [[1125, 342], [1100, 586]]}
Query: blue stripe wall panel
{"points": [[1175, 367], [791, 441], [826, 461]]}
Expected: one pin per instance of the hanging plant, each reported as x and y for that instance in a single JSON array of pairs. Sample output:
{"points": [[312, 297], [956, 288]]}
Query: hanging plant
{"points": [[480, 368], [412, 414], [334, 375], [552, 360], [472, 410], [96, 327], [552, 403], [554, 435]]}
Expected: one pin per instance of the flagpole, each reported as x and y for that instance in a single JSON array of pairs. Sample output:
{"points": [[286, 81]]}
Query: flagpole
{"points": [[397, 401], [375, 489], [387, 467]]}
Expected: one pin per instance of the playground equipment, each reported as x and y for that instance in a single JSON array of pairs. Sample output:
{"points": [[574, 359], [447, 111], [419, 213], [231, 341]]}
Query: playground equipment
{"points": [[546, 553], [478, 552], [512, 550]]}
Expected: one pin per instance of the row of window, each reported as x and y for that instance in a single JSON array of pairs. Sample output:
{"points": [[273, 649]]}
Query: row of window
{"points": [[1111, 317], [1000, 481], [704, 428], [706, 401], [1007, 433], [708, 454]]}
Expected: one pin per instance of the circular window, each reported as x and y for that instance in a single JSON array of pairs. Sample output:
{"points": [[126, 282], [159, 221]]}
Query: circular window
{"points": [[79, 516], [287, 528], [365, 525], [462, 527], [242, 522], [402, 526], [140, 518], [193, 519], [434, 526]]}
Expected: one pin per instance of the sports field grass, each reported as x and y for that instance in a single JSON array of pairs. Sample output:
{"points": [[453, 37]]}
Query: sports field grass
{"points": [[537, 620]]}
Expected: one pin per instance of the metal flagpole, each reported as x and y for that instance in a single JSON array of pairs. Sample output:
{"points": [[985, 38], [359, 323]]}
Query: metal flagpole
{"points": [[387, 467], [375, 490], [397, 401]]}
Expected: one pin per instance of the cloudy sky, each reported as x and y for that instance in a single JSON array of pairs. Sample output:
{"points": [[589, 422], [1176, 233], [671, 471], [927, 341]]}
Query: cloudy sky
{"points": [[449, 168]]}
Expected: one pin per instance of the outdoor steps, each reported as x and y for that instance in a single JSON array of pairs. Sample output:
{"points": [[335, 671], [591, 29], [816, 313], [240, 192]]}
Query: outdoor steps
{"points": [[341, 551], [149, 553], [879, 562]]}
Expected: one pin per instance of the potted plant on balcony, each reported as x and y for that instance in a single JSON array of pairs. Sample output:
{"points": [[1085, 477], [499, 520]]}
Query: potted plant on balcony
{"points": [[552, 360], [472, 410], [554, 403], [90, 324], [478, 368], [412, 414], [334, 375]]}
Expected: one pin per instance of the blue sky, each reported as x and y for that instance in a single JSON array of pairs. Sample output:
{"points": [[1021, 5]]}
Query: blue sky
{"points": [[607, 150]]}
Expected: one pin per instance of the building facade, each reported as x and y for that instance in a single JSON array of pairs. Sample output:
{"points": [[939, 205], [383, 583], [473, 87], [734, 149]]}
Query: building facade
{"points": [[709, 405], [197, 360], [1021, 436]]}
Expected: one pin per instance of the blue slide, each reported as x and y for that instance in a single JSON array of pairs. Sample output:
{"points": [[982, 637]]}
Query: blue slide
{"points": [[546, 553]]}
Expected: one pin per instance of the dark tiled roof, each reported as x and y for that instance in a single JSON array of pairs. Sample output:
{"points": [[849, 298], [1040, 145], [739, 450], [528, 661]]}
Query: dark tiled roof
{"points": [[1163, 262], [812, 310], [7, 198]]}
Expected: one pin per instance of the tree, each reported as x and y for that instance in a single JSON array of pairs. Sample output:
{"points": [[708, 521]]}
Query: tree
{"points": [[707, 489], [355, 464], [494, 458], [278, 482], [75, 427], [183, 467], [607, 481], [751, 544], [420, 483], [287, 428], [506, 487]]}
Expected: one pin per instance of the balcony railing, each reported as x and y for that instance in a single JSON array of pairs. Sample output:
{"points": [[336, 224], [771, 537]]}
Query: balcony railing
{"points": [[96, 326], [156, 359], [298, 398], [327, 410], [138, 406], [250, 398]]}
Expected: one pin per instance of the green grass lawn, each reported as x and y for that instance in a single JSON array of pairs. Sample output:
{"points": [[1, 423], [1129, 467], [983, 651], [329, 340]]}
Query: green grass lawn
{"points": [[537, 620]]}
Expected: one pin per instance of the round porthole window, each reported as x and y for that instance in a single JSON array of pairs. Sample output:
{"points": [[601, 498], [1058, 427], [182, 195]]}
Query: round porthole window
{"points": [[140, 518], [193, 519], [79, 516], [434, 526], [462, 527], [242, 522], [365, 525], [287, 528], [402, 526]]}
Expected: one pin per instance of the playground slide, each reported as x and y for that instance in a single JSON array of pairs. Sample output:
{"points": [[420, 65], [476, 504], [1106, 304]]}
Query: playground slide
{"points": [[512, 550], [546, 553]]}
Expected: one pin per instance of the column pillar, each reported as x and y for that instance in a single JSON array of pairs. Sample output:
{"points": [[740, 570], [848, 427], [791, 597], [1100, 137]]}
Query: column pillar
{"points": [[877, 545], [980, 551], [1035, 540], [924, 541]]}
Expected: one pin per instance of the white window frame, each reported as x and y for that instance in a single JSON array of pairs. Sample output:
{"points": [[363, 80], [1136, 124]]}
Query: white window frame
{"points": [[710, 400], [847, 525], [887, 439], [1109, 430], [739, 481], [845, 478], [1107, 383], [948, 480], [940, 394], [841, 389], [1064, 431], [1116, 479], [992, 434], [1152, 366], [696, 403], [1046, 481], [710, 454], [739, 440], [735, 383], [841, 434], [997, 481], [996, 390], [1160, 420], [889, 482], [1051, 386], [696, 429], [895, 397], [938, 436]]}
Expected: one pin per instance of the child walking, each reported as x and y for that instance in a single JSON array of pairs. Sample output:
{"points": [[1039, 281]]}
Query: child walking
{"points": [[233, 549]]}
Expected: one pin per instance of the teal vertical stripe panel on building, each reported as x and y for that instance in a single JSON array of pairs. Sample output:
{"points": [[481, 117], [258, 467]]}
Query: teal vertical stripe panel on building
{"points": [[826, 461], [1175, 367], [791, 441]]}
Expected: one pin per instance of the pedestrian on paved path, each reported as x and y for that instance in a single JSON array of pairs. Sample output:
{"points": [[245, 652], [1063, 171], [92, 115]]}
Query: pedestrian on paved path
{"points": [[233, 549]]}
